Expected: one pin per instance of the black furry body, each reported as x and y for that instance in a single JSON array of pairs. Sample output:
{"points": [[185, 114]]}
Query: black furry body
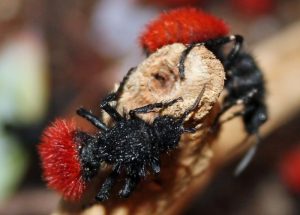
{"points": [[131, 146], [244, 81], [244, 84]]}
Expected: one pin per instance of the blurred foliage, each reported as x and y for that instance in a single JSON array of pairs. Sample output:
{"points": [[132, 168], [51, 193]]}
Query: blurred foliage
{"points": [[24, 96]]}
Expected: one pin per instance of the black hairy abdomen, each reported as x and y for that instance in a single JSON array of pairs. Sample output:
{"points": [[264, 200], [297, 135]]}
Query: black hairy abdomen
{"points": [[128, 141]]}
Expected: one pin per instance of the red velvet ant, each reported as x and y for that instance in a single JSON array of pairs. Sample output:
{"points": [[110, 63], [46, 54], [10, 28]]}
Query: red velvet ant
{"points": [[244, 79]]}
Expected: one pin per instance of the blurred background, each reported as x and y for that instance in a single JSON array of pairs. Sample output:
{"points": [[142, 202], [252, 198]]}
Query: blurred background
{"points": [[58, 55]]}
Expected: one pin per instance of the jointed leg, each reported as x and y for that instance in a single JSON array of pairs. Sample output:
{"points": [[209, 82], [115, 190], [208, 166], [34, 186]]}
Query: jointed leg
{"points": [[238, 42], [107, 185], [105, 104], [225, 107], [189, 110], [130, 184], [183, 57], [91, 118], [194, 106], [155, 165], [247, 157], [242, 100], [211, 44], [123, 82], [189, 130], [233, 53], [150, 107], [109, 109]]}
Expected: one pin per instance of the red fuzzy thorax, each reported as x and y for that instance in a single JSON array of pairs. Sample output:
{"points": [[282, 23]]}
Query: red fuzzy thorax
{"points": [[59, 153], [184, 25]]}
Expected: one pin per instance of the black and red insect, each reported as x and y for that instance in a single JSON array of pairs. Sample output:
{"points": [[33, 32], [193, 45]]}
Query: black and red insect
{"points": [[71, 158], [132, 147], [244, 79]]}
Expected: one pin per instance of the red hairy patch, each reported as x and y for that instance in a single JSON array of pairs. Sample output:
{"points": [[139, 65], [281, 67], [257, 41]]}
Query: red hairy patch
{"points": [[184, 25], [60, 160], [290, 169]]}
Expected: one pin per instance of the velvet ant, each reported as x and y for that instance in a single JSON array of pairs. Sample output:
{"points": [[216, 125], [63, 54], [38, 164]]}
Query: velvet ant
{"points": [[71, 158], [244, 80]]}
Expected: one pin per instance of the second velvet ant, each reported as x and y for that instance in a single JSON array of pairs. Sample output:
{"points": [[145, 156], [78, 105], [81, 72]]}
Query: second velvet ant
{"points": [[244, 82]]}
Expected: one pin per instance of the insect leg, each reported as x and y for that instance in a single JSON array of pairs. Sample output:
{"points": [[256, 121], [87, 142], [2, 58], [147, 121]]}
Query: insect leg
{"points": [[194, 106], [91, 118], [150, 107], [189, 110], [130, 184], [105, 104], [247, 157], [155, 165], [123, 82], [216, 43], [107, 185], [213, 44], [183, 57], [189, 130], [231, 103]]}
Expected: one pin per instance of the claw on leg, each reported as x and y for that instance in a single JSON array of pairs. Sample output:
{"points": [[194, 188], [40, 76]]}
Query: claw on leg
{"points": [[155, 166], [130, 184], [106, 187]]}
